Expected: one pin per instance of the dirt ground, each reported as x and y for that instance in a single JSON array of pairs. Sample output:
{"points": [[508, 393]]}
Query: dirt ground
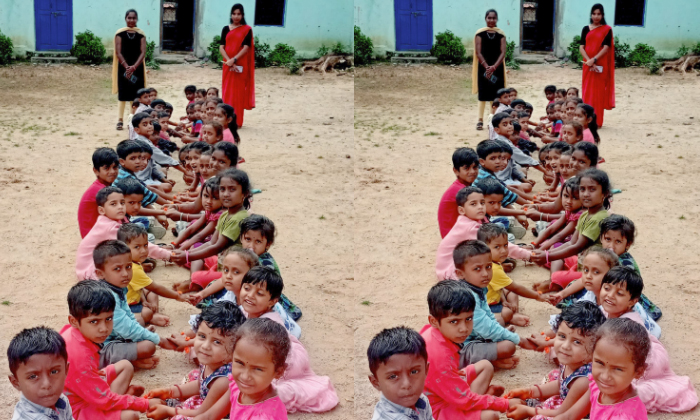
{"points": [[409, 120], [298, 148]]}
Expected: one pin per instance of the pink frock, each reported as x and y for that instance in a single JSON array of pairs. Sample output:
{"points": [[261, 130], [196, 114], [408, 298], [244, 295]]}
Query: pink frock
{"points": [[588, 136], [630, 409], [300, 389], [270, 409]]}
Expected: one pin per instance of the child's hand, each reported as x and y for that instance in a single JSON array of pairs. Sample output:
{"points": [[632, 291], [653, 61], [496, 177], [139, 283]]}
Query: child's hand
{"points": [[149, 305], [519, 412], [162, 220], [159, 393], [159, 412], [181, 342], [531, 182], [154, 402], [170, 181], [194, 298], [526, 344], [522, 220], [167, 343], [538, 257], [554, 298], [540, 342], [519, 393], [509, 305], [178, 257]]}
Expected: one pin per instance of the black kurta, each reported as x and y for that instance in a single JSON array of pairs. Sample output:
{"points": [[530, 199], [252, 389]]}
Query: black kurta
{"points": [[131, 49], [490, 50]]}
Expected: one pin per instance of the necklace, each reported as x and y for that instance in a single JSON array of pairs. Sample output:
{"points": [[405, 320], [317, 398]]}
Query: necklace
{"points": [[491, 35], [131, 35]]}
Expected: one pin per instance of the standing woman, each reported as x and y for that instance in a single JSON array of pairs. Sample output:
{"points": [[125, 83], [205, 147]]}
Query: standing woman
{"points": [[490, 73], [598, 51], [128, 69], [238, 52]]}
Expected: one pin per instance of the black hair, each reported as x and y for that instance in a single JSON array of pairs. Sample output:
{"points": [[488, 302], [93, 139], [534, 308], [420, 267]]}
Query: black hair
{"points": [[135, 103], [230, 151], [575, 100], [130, 231], [169, 106], [104, 156], [163, 114], [128, 147], [550, 89], [190, 106], [496, 120], [267, 275], [103, 194], [464, 193], [505, 147], [190, 89], [258, 222], [625, 275], [136, 120], [508, 110], [593, 125], [200, 146], [242, 179], [38, 340], [392, 341], [523, 114], [157, 102], [583, 316], [631, 335], [491, 11], [551, 105], [90, 297], [146, 148], [572, 184], [129, 186], [574, 88], [108, 249], [212, 184], [156, 127], [495, 103], [560, 146], [489, 186], [468, 249], [618, 222], [601, 178], [599, 6], [142, 91], [268, 334], [517, 102], [488, 147], [490, 231], [223, 317], [131, 11], [562, 92], [516, 127], [609, 257], [232, 126], [215, 88], [450, 297], [501, 92], [235, 7], [464, 156], [590, 150]]}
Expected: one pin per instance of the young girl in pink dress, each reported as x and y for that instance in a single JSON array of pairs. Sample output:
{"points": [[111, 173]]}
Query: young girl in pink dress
{"points": [[212, 132], [201, 230], [571, 133], [585, 115]]}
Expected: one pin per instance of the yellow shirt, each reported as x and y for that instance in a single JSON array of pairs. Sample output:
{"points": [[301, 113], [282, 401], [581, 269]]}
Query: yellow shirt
{"points": [[139, 280], [500, 280]]}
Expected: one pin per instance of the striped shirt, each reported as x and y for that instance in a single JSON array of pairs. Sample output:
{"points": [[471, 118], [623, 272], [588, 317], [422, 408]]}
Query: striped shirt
{"points": [[149, 197], [27, 410], [509, 197]]}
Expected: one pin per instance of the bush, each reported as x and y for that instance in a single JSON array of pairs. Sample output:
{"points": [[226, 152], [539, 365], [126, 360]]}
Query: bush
{"points": [[293, 66], [363, 47], [654, 66], [213, 48], [6, 49], [574, 52], [339, 48], [683, 50], [642, 55], [262, 52], [622, 51], [282, 55], [88, 48], [322, 50], [510, 56], [696, 49], [448, 48], [150, 61]]}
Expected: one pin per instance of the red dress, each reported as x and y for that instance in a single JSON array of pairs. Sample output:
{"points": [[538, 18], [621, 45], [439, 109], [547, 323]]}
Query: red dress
{"points": [[238, 89], [599, 88]]}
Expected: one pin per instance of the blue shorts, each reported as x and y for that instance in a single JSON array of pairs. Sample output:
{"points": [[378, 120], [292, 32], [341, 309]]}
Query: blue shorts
{"points": [[496, 308], [136, 308]]}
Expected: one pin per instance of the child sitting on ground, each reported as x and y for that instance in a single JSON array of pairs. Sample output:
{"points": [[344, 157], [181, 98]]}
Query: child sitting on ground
{"points": [[38, 367], [195, 119], [225, 115], [128, 340], [97, 391], [490, 162], [585, 115], [510, 174], [559, 232], [570, 108], [200, 95], [213, 344], [572, 92], [135, 213], [131, 162], [200, 231], [212, 92], [465, 165], [554, 115], [493, 195], [571, 133], [142, 292], [456, 389], [150, 174], [556, 149], [502, 294], [560, 95], [212, 132], [398, 362], [210, 108], [190, 91], [575, 331], [105, 165], [550, 92]]}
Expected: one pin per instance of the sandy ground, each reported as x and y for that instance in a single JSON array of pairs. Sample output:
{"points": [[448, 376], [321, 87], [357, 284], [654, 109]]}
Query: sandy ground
{"points": [[408, 121], [298, 148]]}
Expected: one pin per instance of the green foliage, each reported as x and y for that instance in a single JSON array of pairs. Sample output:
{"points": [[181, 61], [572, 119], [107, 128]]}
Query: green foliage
{"points": [[696, 49], [150, 60], [642, 55], [213, 48], [448, 48], [339, 48], [574, 52], [622, 51], [262, 52], [88, 48], [654, 66], [510, 56], [282, 55], [363, 47], [322, 50], [6, 49], [682, 50], [293, 66]]}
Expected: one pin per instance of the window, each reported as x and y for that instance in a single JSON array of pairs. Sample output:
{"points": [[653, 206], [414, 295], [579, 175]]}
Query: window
{"points": [[269, 12], [630, 12]]}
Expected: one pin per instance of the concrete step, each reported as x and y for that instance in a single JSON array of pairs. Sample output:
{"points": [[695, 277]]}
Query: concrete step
{"points": [[169, 58], [59, 60], [52, 54], [411, 54], [535, 58], [417, 60]]}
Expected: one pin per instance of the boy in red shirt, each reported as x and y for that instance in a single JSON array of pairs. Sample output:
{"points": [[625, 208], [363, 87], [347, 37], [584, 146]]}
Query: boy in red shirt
{"points": [[465, 165], [455, 393], [97, 394], [105, 165]]}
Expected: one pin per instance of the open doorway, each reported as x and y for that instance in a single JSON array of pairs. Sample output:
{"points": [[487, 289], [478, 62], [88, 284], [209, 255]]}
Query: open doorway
{"points": [[178, 25], [538, 25]]}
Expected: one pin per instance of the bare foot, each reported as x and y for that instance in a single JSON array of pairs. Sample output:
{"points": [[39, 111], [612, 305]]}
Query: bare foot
{"points": [[508, 267], [518, 319], [151, 328], [135, 390], [164, 320], [149, 363], [510, 328], [495, 390], [509, 363]]}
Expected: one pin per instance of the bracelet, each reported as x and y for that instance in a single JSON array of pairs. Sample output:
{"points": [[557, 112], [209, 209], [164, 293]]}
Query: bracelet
{"points": [[535, 411], [180, 391], [187, 257], [176, 411], [546, 254], [539, 391]]}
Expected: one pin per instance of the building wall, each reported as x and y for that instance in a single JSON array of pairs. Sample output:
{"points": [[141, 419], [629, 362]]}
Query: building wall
{"points": [[17, 22], [307, 25]]}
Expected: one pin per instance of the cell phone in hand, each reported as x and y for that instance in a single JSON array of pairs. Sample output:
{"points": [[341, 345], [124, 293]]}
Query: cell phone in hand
{"points": [[493, 79], [132, 79]]}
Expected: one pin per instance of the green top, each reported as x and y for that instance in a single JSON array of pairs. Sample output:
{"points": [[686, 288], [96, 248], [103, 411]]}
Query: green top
{"points": [[589, 226], [229, 225]]}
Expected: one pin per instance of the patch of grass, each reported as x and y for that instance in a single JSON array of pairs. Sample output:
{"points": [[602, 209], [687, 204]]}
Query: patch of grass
{"points": [[320, 157], [681, 218], [6, 302], [680, 157], [322, 217], [431, 133], [299, 146], [659, 146], [71, 133], [366, 302]]}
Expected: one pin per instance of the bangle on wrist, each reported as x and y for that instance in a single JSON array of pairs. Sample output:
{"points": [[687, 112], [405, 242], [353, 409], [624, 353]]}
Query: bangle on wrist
{"points": [[546, 254], [539, 391], [179, 391]]}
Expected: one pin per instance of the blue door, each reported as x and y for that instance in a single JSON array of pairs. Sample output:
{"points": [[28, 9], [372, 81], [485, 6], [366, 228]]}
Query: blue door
{"points": [[54, 24], [414, 24]]}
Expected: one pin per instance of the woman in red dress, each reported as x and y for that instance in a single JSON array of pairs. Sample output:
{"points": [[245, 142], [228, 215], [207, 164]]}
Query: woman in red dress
{"points": [[238, 52], [598, 51]]}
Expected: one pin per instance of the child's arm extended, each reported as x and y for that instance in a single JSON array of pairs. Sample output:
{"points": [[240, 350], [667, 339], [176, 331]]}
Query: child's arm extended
{"points": [[510, 211], [577, 389], [126, 326], [579, 410], [523, 291], [200, 236], [573, 287], [217, 244], [577, 244], [551, 230], [161, 290], [213, 287], [217, 389], [219, 410], [541, 392], [569, 229], [189, 231]]}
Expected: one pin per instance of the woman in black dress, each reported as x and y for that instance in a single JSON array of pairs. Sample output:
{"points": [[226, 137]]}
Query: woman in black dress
{"points": [[489, 72], [129, 71]]}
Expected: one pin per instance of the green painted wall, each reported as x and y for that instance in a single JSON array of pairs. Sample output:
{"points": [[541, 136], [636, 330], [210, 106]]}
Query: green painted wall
{"points": [[308, 24], [17, 22]]}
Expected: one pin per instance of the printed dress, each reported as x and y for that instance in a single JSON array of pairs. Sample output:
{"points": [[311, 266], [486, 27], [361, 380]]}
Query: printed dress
{"points": [[196, 401], [554, 402]]}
